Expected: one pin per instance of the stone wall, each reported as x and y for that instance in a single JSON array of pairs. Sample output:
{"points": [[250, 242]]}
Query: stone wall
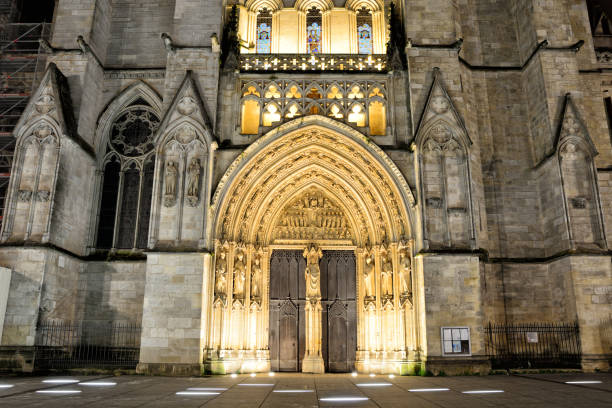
{"points": [[176, 308]]}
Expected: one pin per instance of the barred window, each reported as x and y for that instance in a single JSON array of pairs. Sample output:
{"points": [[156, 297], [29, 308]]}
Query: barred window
{"points": [[264, 31], [364, 31], [314, 24]]}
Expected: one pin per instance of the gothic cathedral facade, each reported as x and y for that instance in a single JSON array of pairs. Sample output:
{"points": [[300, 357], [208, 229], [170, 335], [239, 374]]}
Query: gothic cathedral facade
{"points": [[314, 185]]}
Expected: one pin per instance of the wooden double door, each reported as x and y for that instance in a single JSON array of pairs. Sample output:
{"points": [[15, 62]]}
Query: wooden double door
{"points": [[339, 314]]}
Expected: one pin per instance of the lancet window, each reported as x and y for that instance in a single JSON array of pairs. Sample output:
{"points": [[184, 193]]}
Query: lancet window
{"points": [[127, 183], [264, 31], [364, 31], [314, 28], [361, 104]]}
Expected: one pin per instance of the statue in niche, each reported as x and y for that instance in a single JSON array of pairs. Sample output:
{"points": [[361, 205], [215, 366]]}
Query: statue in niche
{"points": [[239, 275], [220, 273], [193, 182], [405, 273], [368, 277], [386, 277], [255, 276], [313, 273], [170, 182]]}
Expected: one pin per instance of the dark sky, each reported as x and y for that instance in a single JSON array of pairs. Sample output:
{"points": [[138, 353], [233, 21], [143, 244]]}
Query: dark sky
{"points": [[36, 11]]}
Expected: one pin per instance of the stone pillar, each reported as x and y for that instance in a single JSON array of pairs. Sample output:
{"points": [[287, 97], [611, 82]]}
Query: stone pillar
{"points": [[176, 306], [313, 357]]}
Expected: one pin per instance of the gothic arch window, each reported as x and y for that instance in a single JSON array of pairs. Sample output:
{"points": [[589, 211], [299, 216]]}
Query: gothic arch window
{"points": [[314, 31], [264, 31], [364, 31], [128, 179]]}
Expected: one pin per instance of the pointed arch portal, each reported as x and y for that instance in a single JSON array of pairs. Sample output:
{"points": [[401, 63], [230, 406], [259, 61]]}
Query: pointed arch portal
{"points": [[311, 183]]}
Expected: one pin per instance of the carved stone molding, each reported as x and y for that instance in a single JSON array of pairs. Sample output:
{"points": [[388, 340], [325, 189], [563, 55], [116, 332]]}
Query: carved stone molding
{"points": [[24, 195], [43, 195]]}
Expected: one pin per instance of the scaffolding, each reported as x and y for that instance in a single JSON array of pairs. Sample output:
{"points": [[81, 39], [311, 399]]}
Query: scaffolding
{"points": [[22, 65]]}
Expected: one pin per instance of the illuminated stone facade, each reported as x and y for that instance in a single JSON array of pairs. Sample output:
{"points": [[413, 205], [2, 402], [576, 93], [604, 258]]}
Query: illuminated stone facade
{"points": [[188, 166]]}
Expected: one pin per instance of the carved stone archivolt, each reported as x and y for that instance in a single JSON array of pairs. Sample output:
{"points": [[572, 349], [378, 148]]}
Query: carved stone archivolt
{"points": [[363, 201]]}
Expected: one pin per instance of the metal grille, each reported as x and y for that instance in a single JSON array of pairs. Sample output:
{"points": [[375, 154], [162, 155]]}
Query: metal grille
{"points": [[63, 345], [533, 345]]}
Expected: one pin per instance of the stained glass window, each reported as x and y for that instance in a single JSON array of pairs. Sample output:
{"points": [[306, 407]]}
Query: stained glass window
{"points": [[313, 31], [364, 31], [264, 31]]}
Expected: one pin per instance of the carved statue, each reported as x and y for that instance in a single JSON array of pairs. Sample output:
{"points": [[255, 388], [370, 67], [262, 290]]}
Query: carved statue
{"points": [[368, 277], [193, 181], [255, 276], [313, 273], [239, 275], [405, 273], [220, 273], [170, 179], [386, 277]]}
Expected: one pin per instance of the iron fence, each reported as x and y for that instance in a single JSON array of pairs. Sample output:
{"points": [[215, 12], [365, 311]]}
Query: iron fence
{"points": [[63, 345], [533, 345]]}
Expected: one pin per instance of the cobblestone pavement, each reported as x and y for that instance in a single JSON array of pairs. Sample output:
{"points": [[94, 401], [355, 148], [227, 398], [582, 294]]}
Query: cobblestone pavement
{"points": [[298, 390]]}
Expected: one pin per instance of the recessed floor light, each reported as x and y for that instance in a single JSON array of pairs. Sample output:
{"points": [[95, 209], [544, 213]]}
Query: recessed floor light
{"points": [[271, 374], [58, 391], [428, 389], [256, 385], [98, 384], [377, 384], [583, 382], [293, 391], [253, 374], [196, 393], [483, 392], [343, 399], [6, 386], [206, 389], [234, 375], [372, 375], [391, 376], [60, 381], [354, 374]]}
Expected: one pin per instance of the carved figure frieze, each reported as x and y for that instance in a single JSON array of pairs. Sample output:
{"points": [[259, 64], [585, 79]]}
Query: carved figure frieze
{"points": [[239, 274], [369, 278], [170, 178], [256, 274], [221, 274], [313, 216], [193, 182], [313, 273], [386, 276], [43, 195], [24, 195]]}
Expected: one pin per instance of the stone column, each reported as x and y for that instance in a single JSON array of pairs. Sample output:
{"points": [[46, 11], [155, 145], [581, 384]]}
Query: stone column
{"points": [[313, 358]]}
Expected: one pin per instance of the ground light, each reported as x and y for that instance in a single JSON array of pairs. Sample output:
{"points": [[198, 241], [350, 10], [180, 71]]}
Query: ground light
{"points": [[60, 381], [206, 389], [428, 389], [391, 376], [98, 384], [253, 374], [372, 375], [343, 399], [58, 392], [271, 373], [354, 374], [255, 385], [483, 392], [234, 375], [6, 386], [196, 393], [292, 391], [583, 382], [377, 384]]}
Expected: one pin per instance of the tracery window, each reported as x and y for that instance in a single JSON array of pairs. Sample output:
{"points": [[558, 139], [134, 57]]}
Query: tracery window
{"points": [[314, 25], [269, 103], [264, 31], [127, 183], [364, 31]]}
